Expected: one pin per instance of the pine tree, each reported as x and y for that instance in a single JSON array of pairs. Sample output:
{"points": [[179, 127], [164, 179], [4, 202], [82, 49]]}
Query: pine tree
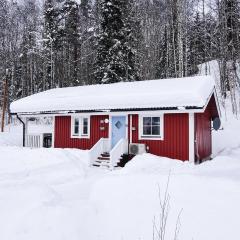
{"points": [[50, 43], [229, 31], [86, 8], [133, 42], [71, 42], [116, 44], [87, 25], [232, 12], [4, 13], [28, 50], [162, 58], [197, 41]]}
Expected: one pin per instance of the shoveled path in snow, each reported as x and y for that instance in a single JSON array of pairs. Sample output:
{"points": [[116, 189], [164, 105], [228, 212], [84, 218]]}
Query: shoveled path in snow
{"points": [[54, 194]]}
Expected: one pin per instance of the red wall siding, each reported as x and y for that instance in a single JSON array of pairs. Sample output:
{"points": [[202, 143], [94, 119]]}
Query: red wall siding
{"points": [[63, 133], [176, 137], [203, 135], [212, 107], [175, 144]]}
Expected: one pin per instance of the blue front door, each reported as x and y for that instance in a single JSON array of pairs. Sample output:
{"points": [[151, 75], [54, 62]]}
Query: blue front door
{"points": [[118, 129]]}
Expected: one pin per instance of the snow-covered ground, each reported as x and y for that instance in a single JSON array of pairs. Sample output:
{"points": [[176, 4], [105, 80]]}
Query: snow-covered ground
{"points": [[54, 194], [12, 136]]}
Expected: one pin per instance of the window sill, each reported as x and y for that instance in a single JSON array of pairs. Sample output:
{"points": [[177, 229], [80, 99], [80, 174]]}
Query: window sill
{"points": [[85, 136], [81, 137], [150, 138]]}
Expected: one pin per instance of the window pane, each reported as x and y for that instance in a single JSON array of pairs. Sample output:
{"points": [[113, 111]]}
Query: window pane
{"points": [[76, 130], [85, 130], [85, 121], [147, 121], [156, 121], [85, 126], [76, 126], [156, 130], [147, 130]]}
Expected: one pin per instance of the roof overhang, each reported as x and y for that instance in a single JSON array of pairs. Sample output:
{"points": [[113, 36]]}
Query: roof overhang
{"points": [[183, 94], [161, 110], [114, 111]]}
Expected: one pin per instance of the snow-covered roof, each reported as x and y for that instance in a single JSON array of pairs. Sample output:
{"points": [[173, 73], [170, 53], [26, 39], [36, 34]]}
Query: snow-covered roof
{"points": [[190, 92]]}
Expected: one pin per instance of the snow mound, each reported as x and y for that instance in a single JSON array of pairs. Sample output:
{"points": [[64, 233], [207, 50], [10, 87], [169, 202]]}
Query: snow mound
{"points": [[54, 194], [12, 136], [148, 163]]}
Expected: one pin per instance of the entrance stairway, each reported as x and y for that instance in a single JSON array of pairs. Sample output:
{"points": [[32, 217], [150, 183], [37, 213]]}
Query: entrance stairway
{"points": [[103, 160], [102, 155]]}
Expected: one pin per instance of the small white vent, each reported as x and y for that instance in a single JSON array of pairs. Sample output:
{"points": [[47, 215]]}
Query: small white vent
{"points": [[136, 149]]}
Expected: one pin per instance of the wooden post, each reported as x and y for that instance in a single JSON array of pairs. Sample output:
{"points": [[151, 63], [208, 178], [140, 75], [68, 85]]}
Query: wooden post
{"points": [[4, 106]]}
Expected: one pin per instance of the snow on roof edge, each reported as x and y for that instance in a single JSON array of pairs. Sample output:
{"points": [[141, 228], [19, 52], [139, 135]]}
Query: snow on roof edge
{"points": [[190, 92]]}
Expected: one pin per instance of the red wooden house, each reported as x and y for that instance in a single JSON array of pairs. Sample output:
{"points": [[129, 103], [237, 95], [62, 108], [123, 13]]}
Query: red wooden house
{"points": [[170, 118]]}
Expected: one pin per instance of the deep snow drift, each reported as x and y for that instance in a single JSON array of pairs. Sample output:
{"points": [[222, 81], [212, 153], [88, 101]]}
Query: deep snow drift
{"points": [[54, 194]]}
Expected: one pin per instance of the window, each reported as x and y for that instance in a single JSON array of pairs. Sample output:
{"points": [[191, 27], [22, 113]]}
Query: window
{"points": [[151, 127], [80, 127], [76, 127]]}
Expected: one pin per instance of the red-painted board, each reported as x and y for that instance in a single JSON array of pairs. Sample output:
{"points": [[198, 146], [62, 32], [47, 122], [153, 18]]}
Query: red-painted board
{"points": [[63, 133], [203, 135], [176, 134], [176, 137]]}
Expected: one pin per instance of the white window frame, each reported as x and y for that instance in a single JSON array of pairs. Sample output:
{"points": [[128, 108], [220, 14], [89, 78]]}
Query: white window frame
{"points": [[151, 137], [80, 135]]}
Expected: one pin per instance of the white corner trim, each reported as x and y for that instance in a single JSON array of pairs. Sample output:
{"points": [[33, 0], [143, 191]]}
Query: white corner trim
{"points": [[217, 103], [191, 138], [130, 129], [53, 133]]}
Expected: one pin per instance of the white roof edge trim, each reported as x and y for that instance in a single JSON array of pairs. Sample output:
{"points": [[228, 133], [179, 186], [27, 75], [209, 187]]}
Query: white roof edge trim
{"points": [[213, 93], [217, 102], [199, 110]]}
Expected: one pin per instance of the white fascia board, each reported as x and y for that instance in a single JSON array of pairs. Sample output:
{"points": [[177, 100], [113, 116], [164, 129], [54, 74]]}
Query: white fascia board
{"points": [[217, 103], [120, 113]]}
